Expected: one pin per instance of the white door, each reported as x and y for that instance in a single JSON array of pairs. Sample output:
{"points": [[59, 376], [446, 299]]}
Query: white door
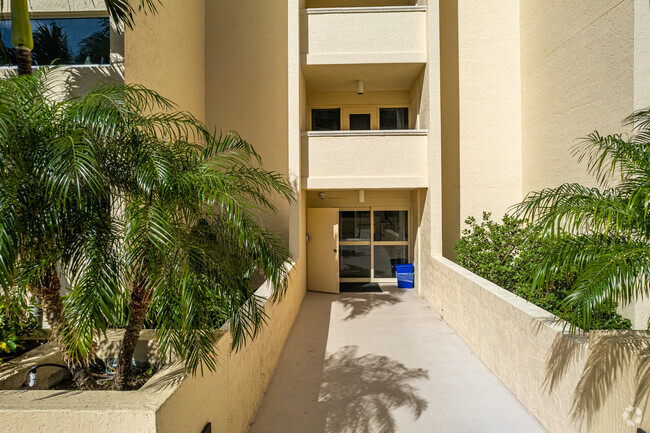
{"points": [[323, 250]]}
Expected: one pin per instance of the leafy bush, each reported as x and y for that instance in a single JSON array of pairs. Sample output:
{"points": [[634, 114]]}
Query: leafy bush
{"points": [[12, 330], [507, 254]]}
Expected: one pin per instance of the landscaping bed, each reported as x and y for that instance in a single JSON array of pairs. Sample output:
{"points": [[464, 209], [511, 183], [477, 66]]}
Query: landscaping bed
{"points": [[52, 374], [509, 253]]}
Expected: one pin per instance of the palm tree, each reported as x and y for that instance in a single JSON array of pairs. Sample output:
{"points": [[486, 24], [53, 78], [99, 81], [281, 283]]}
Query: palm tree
{"points": [[122, 12], [190, 232], [147, 211], [603, 233], [55, 212]]}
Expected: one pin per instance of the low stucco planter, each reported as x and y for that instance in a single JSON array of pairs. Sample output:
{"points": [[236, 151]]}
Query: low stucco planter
{"points": [[171, 401], [572, 384]]}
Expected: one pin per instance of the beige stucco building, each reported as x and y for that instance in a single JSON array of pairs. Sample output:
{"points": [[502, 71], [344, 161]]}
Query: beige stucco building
{"points": [[393, 119]]}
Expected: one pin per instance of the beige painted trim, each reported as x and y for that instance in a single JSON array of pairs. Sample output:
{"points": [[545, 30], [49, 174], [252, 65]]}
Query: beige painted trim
{"points": [[377, 182], [379, 132], [419, 57], [363, 10]]}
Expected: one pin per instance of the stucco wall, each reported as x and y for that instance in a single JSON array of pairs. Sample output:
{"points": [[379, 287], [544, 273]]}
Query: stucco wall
{"points": [[481, 100], [528, 351], [350, 35], [641, 54], [577, 62], [166, 52], [64, 6], [247, 81], [367, 160], [228, 398]]}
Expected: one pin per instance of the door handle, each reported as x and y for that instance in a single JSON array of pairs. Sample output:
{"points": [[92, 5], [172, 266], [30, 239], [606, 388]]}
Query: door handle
{"points": [[334, 249]]}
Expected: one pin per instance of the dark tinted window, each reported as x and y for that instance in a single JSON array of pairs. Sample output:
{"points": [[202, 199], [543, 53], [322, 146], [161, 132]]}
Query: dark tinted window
{"points": [[359, 122], [326, 119], [391, 225], [67, 41], [393, 118], [354, 225], [354, 261]]}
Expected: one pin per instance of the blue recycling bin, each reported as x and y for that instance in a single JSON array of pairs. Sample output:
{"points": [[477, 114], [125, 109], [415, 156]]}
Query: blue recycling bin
{"points": [[406, 268], [405, 281], [404, 276]]}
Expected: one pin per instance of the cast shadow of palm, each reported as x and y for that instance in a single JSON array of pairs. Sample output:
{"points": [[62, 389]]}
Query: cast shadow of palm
{"points": [[359, 393], [359, 305], [610, 355]]}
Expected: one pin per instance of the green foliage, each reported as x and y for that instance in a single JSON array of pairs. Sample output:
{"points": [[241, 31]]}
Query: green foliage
{"points": [[117, 189], [602, 233], [492, 250], [508, 254], [13, 328]]}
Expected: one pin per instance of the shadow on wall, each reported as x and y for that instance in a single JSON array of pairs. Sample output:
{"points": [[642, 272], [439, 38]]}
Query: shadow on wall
{"points": [[362, 304], [359, 393], [79, 81], [614, 357]]}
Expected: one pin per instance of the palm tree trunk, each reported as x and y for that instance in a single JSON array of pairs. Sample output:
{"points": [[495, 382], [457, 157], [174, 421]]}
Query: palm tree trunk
{"points": [[50, 297], [24, 60], [138, 308], [22, 36]]}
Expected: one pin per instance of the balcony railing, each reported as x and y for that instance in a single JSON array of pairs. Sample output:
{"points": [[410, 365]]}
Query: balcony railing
{"points": [[364, 159], [392, 34]]}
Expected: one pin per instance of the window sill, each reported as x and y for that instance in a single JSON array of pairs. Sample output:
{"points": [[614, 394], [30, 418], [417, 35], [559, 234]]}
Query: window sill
{"points": [[362, 10], [370, 133], [93, 65]]}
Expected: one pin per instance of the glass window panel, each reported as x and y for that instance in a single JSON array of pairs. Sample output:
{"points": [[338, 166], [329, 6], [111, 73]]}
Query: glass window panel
{"points": [[354, 261], [386, 257], [354, 225], [359, 122], [67, 41], [391, 225], [326, 119], [393, 118]]}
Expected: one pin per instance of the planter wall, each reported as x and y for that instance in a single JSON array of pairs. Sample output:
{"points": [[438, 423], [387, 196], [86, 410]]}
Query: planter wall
{"points": [[171, 401], [528, 350]]}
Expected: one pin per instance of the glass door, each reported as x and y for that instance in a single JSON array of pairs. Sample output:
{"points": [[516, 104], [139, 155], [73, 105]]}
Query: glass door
{"points": [[355, 262], [371, 242], [359, 118], [390, 244]]}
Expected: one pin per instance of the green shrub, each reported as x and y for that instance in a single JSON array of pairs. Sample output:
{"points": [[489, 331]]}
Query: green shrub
{"points": [[507, 254], [13, 329]]}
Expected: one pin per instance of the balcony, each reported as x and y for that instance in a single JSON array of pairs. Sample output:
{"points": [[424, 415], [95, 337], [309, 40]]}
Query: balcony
{"points": [[364, 159], [363, 35]]}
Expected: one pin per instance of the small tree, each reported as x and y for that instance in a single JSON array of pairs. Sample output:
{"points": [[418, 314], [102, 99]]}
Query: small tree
{"points": [[55, 210], [608, 227], [136, 205]]}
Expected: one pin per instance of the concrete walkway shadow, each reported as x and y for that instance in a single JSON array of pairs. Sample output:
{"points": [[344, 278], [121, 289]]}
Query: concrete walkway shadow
{"points": [[360, 304], [360, 392]]}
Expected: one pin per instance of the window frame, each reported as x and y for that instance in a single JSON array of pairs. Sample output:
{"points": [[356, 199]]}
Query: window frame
{"points": [[68, 14], [374, 110]]}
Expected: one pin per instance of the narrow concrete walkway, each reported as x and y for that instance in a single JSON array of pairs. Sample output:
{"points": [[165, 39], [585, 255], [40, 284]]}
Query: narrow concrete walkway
{"points": [[383, 363]]}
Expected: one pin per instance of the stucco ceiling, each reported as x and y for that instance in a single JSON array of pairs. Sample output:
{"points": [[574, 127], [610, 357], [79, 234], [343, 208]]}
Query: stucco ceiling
{"points": [[376, 77]]}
